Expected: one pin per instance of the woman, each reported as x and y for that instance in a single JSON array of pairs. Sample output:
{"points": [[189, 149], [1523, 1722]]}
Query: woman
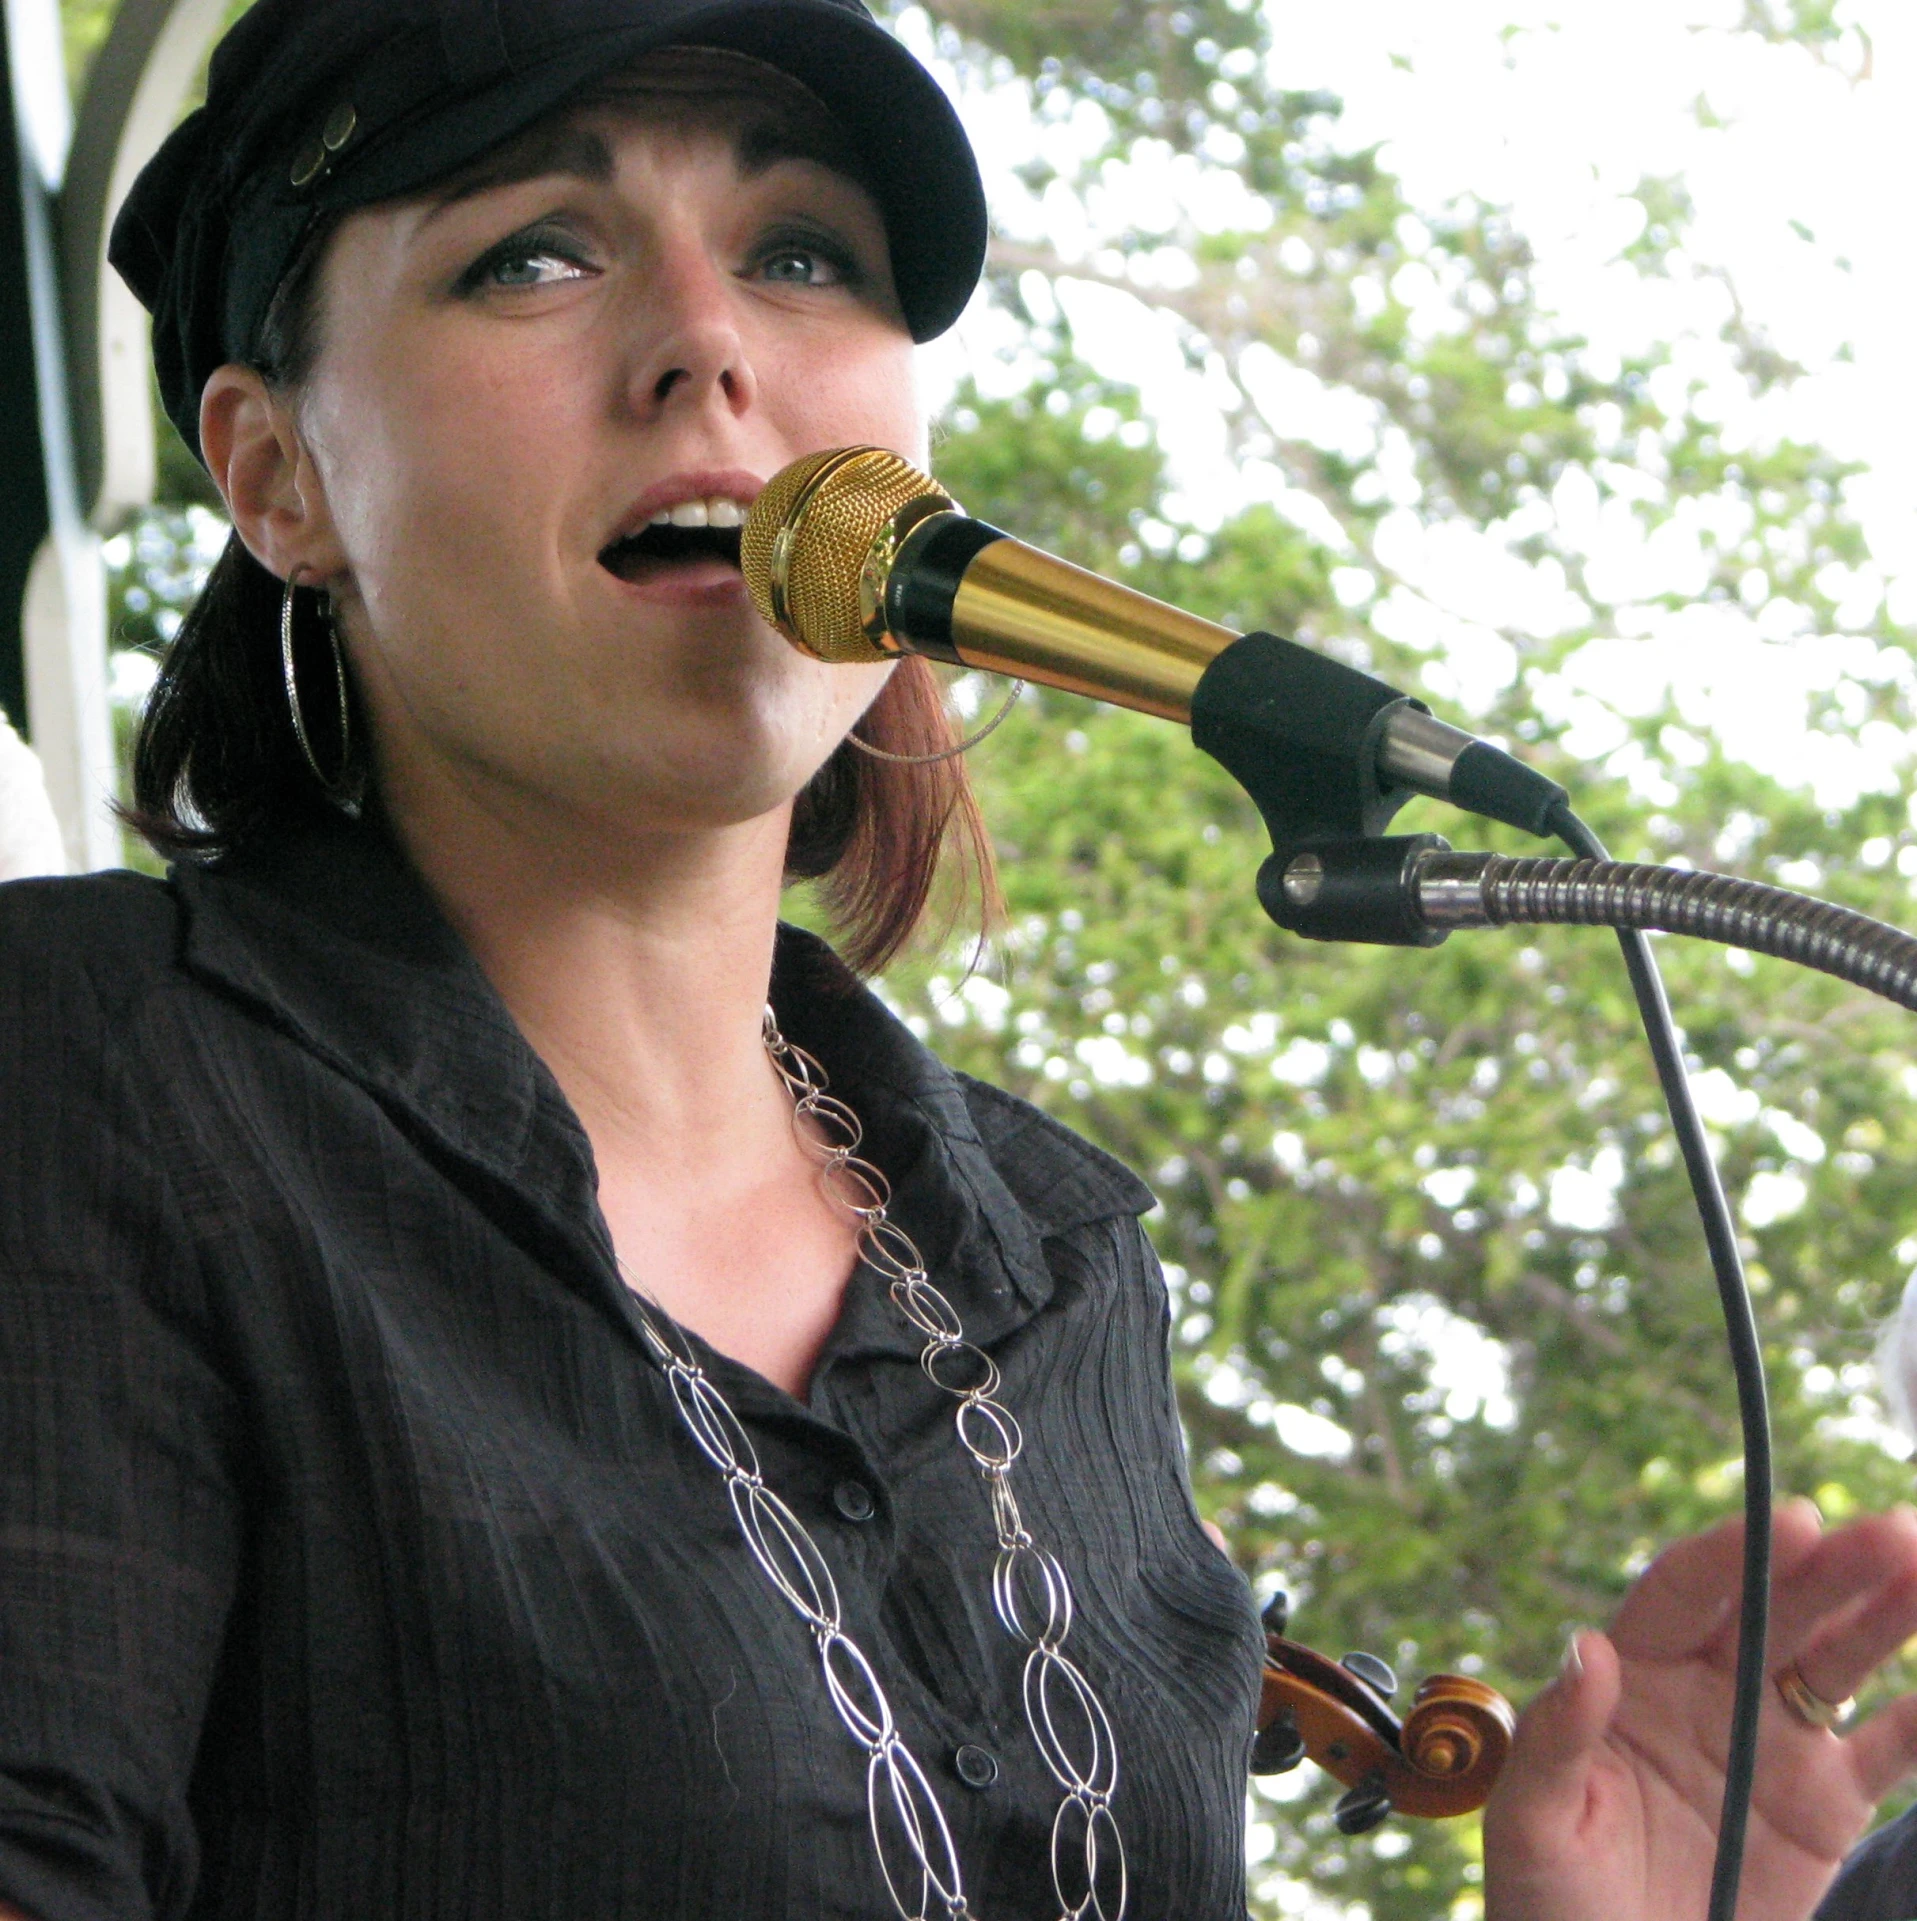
{"points": [[460, 1458]]}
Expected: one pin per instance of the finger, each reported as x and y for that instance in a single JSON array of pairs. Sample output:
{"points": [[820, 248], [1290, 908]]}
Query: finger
{"points": [[1688, 1596], [1848, 1603], [1883, 1751], [1544, 1783], [1838, 1662]]}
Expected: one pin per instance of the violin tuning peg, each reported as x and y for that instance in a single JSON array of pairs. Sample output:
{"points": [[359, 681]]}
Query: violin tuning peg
{"points": [[1362, 1808], [1279, 1747], [1372, 1671], [1277, 1614]]}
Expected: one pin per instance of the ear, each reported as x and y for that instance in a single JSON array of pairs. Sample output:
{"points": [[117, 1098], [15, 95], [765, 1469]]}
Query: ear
{"points": [[272, 488]]}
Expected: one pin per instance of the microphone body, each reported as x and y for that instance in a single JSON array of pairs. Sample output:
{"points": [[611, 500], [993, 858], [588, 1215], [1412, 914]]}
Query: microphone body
{"points": [[961, 591], [855, 555]]}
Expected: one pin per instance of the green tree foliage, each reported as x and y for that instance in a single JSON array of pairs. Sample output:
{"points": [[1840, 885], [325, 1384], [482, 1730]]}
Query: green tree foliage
{"points": [[1448, 1351], [1446, 1342], [1355, 1153]]}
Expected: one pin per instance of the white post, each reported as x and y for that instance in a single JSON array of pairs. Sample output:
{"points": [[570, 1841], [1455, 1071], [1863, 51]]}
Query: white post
{"points": [[30, 841], [64, 625], [139, 81]]}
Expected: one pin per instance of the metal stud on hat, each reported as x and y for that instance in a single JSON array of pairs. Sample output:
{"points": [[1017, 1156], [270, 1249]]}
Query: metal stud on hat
{"points": [[315, 159]]}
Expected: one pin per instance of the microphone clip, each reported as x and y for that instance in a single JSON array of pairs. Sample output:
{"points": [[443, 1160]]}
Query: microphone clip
{"points": [[1302, 734]]}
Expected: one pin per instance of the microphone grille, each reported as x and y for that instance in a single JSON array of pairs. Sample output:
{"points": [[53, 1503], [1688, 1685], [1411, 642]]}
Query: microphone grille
{"points": [[807, 538]]}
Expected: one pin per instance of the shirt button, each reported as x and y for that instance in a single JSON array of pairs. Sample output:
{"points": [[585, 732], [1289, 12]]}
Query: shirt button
{"points": [[854, 1500], [977, 1767]]}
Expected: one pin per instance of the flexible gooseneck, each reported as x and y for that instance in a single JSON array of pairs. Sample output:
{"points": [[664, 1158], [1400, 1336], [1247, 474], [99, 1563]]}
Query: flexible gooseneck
{"points": [[1492, 890]]}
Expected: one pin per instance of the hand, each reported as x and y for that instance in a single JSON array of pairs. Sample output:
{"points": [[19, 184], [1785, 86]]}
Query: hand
{"points": [[1607, 1809]]}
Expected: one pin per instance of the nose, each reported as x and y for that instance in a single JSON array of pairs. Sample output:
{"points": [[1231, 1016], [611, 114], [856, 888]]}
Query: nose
{"points": [[689, 351]]}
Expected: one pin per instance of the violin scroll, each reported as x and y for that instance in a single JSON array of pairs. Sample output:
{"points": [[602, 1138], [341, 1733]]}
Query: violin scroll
{"points": [[1442, 1759], [1459, 1731]]}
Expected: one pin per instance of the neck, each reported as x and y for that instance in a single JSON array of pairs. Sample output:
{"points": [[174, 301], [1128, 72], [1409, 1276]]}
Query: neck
{"points": [[638, 970], [637, 966]]}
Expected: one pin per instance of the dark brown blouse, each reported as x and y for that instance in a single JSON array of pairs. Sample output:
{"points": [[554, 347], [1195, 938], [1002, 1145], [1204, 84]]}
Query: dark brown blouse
{"points": [[353, 1562]]}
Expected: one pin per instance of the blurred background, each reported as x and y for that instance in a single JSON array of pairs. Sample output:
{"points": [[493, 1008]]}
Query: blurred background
{"points": [[1548, 358]]}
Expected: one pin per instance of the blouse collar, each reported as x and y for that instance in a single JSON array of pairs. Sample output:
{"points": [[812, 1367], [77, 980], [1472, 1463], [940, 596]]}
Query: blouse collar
{"points": [[335, 939]]}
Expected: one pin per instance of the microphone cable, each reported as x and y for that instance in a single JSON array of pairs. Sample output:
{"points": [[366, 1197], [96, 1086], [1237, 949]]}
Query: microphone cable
{"points": [[1747, 1369]]}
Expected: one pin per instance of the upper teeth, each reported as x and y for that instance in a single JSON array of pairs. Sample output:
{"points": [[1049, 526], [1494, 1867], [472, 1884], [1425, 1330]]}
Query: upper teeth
{"points": [[702, 513]]}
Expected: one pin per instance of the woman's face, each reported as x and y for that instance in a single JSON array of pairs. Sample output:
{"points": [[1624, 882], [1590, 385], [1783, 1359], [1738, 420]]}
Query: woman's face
{"points": [[636, 315]]}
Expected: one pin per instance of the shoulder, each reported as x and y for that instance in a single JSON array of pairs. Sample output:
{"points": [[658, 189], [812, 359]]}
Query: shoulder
{"points": [[106, 935], [116, 904], [82, 964], [1060, 1179]]}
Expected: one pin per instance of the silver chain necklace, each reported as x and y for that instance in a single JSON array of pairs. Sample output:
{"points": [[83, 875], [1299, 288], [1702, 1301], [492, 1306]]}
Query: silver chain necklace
{"points": [[1033, 1599]]}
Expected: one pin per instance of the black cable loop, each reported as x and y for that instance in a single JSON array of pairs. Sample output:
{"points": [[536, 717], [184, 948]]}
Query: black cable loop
{"points": [[1595, 890]]}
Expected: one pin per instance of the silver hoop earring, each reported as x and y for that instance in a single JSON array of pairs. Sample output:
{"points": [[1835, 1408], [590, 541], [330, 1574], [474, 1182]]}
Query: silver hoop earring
{"points": [[338, 789], [947, 753]]}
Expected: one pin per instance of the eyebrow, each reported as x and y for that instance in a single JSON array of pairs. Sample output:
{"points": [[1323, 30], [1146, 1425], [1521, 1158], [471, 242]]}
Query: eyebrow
{"points": [[554, 149], [567, 150], [764, 144]]}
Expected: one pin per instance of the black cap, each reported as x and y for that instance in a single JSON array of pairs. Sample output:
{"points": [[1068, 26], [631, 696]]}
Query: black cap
{"points": [[317, 106]]}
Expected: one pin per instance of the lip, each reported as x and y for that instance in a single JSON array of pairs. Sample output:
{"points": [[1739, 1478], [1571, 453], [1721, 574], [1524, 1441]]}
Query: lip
{"points": [[731, 483]]}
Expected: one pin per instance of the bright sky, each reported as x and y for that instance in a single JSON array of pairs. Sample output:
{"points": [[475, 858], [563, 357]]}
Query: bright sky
{"points": [[1557, 108]]}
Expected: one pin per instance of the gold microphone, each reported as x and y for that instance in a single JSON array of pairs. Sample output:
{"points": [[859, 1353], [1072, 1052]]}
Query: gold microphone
{"points": [[854, 555]]}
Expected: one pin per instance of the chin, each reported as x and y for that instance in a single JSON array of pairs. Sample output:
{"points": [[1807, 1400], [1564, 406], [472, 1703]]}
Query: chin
{"points": [[767, 717], [726, 777]]}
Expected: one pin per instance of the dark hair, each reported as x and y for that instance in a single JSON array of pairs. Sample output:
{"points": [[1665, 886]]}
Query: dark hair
{"points": [[218, 770]]}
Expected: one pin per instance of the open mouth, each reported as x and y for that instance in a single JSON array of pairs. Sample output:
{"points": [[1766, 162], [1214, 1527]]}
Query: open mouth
{"points": [[657, 549]]}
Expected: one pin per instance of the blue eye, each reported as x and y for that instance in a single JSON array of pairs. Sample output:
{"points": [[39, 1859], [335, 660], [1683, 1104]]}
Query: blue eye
{"points": [[806, 258], [523, 261], [800, 267], [532, 270]]}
